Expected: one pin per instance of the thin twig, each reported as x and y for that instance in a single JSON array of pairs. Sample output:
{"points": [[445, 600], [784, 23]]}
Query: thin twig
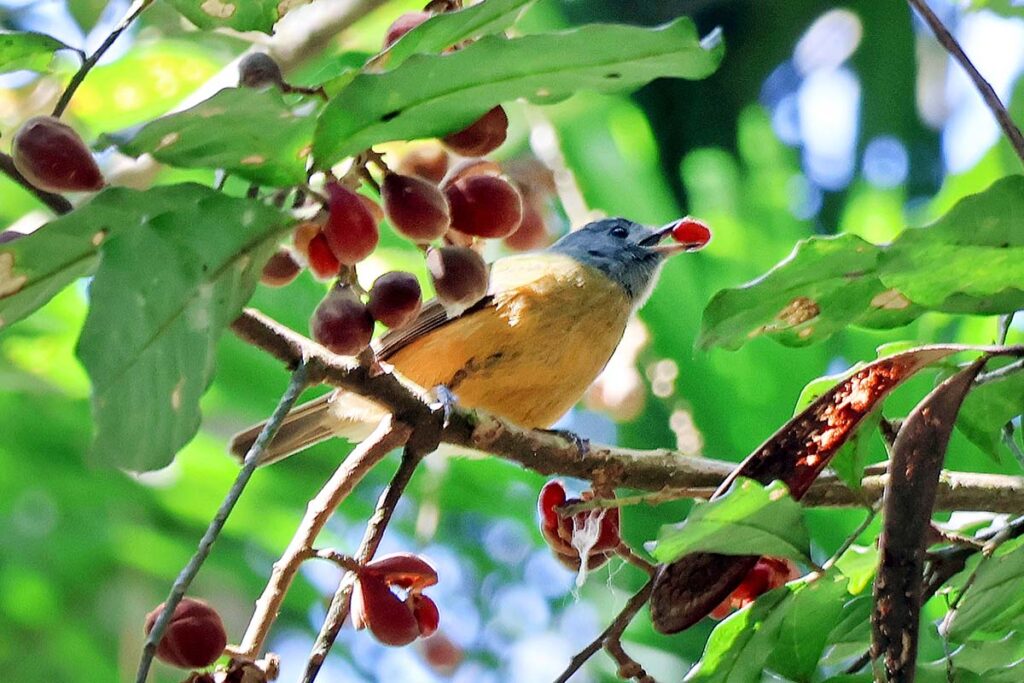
{"points": [[252, 459], [1000, 373], [852, 538], [375, 528], [948, 41], [613, 633], [56, 203], [388, 435], [131, 15]]}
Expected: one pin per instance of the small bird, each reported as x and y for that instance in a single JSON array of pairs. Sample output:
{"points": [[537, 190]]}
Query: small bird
{"points": [[527, 351]]}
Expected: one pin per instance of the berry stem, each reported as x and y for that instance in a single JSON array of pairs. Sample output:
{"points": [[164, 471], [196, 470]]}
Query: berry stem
{"points": [[296, 385], [136, 8]]}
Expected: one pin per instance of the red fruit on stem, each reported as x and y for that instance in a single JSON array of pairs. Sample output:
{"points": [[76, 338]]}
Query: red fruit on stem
{"points": [[194, 638], [387, 616], [395, 299], [322, 260], [470, 167], [429, 162], [341, 322], [351, 230], [51, 156], [415, 207], [402, 25], [427, 615], [281, 269], [482, 136], [485, 206], [404, 570], [691, 232], [459, 276], [596, 531]]}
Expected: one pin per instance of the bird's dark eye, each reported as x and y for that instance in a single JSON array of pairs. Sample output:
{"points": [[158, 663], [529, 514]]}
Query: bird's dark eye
{"points": [[620, 232]]}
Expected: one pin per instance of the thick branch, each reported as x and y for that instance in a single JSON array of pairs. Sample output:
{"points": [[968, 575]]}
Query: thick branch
{"points": [[552, 454]]}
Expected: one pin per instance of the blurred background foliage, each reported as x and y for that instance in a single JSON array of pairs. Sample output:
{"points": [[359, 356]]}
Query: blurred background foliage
{"points": [[822, 119]]}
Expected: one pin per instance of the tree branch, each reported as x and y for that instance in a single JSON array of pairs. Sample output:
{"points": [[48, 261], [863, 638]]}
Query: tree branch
{"points": [[252, 459], [948, 41]]}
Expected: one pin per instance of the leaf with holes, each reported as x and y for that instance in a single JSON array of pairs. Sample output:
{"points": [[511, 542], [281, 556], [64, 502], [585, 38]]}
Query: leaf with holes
{"points": [[241, 15], [748, 520], [253, 134], [26, 50], [432, 95], [161, 297]]}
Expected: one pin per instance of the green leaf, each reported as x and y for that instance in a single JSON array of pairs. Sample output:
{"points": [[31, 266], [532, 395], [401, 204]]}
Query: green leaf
{"points": [[738, 647], [25, 50], [994, 599], [826, 284], [242, 15], [430, 95], [162, 295], [853, 624], [253, 134], [859, 565], [984, 656], [988, 408], [809, 617], [969, 261], [748, 520], [448, 28]]}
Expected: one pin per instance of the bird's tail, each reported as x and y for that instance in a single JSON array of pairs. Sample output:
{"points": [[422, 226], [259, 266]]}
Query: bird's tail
{"points": [[339, 414]]}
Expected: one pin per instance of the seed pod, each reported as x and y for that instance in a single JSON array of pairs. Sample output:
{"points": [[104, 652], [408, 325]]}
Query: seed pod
{"points": [[341, 322], [485, 206], [415, 207], [481, 137], [281, 269], [459, 276], [51, 156], [259, 70], [194, 637], [395, 299], [351, 231]]}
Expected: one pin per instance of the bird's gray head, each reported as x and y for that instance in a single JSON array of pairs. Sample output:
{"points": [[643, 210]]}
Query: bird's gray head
{"points": [[628, 253]]}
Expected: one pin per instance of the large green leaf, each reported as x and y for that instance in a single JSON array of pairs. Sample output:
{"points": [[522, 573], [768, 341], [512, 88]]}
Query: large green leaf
{"points": [[994, 600], [814, 609], [242, 15], [448, 28], [826, 284], [988, 408], [431, 95], [25, 50], [163, 294], [969, 261], [749, 520], [253, 134]]}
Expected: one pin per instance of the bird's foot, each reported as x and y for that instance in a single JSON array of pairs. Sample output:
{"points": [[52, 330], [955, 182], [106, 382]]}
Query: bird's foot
{"points": [[582, 444]]}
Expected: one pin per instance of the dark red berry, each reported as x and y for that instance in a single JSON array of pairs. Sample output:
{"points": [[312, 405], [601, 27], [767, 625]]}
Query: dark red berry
{"points": [[194, 637], [415, 207], [485, 206], [322, 260], [351, 230], [482, 136], [429, 162], [695, 234], [51, 156], [281, 269], [395, 299], [470, 167], [402, 25], [259, 70], [341, 322], [387, 616], [459, 275]]}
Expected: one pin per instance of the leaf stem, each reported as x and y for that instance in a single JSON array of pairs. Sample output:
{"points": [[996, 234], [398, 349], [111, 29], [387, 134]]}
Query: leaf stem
{"points": [[296, 385]]}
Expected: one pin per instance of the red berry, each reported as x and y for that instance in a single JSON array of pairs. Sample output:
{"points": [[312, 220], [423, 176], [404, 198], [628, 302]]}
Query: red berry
{"points": [[429, 162], [395, 299], [459, 275], [194, 637], [532, 233], [350, 229], [470, 167], [482, 136], [485, 206], [322, 260], [387, 616], [341, 322], [427, 615], [281, 269], [402, 25], [51, 156], [691, 232], [415, 207]]}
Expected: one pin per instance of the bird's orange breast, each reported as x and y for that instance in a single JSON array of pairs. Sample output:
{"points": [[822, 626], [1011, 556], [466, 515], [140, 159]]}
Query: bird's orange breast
{"points": [[530, 356]]}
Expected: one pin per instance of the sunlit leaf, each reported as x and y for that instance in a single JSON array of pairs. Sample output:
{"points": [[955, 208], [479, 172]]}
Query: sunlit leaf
{"points": [[242, 15], [994, 599], [815, 607], [25, 50]]}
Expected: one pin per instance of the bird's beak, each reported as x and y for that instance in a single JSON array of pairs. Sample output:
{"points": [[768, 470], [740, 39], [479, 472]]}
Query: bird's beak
{"points": [[654, 242]]}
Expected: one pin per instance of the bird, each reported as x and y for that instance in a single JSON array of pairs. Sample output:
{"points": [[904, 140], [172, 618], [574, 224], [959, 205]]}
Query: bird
{"points": [[527, 351]]}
